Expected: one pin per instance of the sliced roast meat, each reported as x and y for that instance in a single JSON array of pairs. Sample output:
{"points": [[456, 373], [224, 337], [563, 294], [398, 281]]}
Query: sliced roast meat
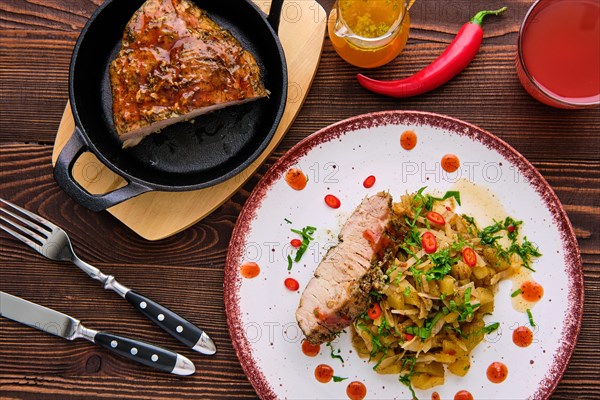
{"points": [[339, 290], [175, 63]]}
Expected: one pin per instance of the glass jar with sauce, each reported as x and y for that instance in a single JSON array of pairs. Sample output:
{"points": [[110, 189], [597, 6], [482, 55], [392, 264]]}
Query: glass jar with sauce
{"points": [[369, 33]]}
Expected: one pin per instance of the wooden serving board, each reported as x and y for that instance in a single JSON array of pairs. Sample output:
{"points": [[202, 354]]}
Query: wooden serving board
{"points": [[157, 215]]}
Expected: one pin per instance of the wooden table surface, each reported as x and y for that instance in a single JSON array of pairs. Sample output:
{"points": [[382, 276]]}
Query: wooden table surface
{"points": [[186, 271]]}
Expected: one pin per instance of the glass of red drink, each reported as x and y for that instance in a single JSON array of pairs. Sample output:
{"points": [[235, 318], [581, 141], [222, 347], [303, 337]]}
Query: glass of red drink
{"points": [[558, 56]]}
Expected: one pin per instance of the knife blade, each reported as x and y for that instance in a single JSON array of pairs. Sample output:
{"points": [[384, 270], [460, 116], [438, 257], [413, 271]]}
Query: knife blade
{"points": [[67, 327]]}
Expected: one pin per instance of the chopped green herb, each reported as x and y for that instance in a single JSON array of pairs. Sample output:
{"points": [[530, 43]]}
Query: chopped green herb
{"points": [[406, 378], [488, 233], [426, 201], [409, 252], [516, 293], [490, 328], [457, 330], [333, 353], [512, 227], [468, 308], [338, 379], [424, 331], [306, 234], [449, 194], [442, 265], [307, 237], [469, 219], [407, 291], [526, 251], [375, 295], [530, 316], [384, 352]]}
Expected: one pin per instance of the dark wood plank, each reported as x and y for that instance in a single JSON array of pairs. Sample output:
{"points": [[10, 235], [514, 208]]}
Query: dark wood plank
{"points": [[36, 40]]}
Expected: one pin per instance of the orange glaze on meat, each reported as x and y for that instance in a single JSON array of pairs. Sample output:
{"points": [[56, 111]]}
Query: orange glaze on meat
{"points": [[522, 336], [450, 163], [249, 270], [174, 59], [532, 291], [323, 373], [356, 390], [497, 372], [408, 140], [296, 179]]}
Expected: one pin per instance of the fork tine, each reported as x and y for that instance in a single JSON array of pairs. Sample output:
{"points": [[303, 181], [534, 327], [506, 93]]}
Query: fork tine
{"points": [[42, 221], [38, 229], [22, 238], [22, 229]]}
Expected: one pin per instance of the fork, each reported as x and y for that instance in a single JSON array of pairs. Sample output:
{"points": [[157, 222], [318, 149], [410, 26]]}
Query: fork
{"points": [[53, 243]]}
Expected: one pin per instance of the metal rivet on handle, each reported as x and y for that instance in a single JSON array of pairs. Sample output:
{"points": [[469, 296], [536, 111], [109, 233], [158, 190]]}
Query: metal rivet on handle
{"points": [[179, 329], [154, 358], [113, 344], [134, 351], [143, 305], [161, 317]]}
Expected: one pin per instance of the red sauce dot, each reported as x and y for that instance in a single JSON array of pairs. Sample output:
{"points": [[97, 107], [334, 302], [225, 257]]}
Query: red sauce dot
{"points": [[435, 396], [497, 372], [249, 270], [356, 390], [532, 291], [408, 140], [369, 182], [296, 179], [309, 349], [291, 284], [522, 336], [450, 163], [463, 395], [332, 201], [323, 373]]}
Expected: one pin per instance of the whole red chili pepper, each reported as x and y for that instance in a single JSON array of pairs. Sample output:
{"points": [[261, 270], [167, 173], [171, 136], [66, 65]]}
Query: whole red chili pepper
{"points": [[454, 59]]}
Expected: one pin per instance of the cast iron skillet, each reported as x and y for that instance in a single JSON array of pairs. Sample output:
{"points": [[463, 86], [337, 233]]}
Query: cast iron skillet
{"points": [[184, 156]]}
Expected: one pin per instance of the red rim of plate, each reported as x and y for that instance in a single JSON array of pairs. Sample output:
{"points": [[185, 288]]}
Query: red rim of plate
{"points": [[243, 226]]}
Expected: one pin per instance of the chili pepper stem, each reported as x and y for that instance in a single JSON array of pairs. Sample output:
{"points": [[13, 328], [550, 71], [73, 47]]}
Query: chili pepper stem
{"points": [[478, 18]]}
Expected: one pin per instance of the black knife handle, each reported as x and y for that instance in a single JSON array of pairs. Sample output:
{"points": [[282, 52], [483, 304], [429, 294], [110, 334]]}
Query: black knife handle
{"points": [[144, 353], [177, 326]]}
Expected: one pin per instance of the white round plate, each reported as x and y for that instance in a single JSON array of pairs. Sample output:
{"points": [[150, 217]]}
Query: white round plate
{"points": [[261, 311]]}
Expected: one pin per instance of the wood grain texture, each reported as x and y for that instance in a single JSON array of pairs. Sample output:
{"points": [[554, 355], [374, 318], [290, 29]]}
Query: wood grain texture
{"points": [[185, 271]]}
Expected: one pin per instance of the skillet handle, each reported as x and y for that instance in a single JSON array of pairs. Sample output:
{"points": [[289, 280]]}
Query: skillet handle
{"points": [[275, 14], [74, 148]]}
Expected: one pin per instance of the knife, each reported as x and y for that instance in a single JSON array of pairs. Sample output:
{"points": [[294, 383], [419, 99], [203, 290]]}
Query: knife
{"points": [[62, 325]]}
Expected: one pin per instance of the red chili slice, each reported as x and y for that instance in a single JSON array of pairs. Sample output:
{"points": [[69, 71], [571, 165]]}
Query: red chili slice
{"points": [[511, 228], [469, 256], [435, 218], [296, 243], [291, 284], [374, 311], [332, 201], [369, 182], [429, 242], [408, 336]]}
